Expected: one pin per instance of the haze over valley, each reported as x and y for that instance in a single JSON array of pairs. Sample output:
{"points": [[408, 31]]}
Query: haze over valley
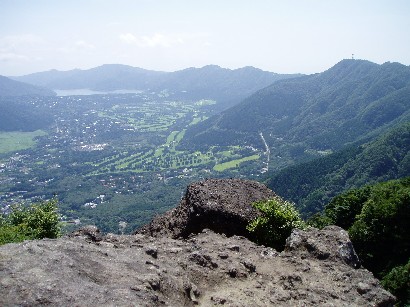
{"points": [[122, 150], [113, 158]]}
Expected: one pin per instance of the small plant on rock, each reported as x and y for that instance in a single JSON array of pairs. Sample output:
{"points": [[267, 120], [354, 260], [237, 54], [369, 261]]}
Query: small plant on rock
{"points": [[278, 218]]}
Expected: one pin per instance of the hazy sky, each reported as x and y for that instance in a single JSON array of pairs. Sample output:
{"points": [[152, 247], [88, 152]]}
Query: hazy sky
{"points": [[286, 36]]}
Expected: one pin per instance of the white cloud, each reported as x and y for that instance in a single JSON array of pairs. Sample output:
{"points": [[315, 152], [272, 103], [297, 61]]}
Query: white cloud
{"points": [[128, 38], [79, 46], [15, 41], [19, 53], [156, 40], [13, 57], [14, 48], [84, 45]]}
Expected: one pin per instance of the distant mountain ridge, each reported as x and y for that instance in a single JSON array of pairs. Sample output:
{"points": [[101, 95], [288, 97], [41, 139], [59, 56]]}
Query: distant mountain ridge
{"points": [[9, 87], [224, 85], [106, 77], [352, 100]]}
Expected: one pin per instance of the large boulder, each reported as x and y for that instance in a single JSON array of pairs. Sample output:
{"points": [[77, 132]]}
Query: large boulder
{"points": [[222, 205], [331, 243]]}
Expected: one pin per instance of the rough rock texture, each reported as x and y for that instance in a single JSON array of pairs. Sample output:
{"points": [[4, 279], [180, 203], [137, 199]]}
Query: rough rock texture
{"points": [[209, 269], [222, 205], [204, 267], [333, 243]]}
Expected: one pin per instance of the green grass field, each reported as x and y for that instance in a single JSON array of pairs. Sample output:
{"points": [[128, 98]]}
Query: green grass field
{"points": [[15, 141], [154, 117], [234, 163]]}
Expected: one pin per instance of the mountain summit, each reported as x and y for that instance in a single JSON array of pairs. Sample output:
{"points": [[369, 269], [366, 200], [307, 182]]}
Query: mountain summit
{"points": [[352, 100]]}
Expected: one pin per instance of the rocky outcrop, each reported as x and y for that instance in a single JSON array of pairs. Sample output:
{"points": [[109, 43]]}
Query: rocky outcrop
{"points": [[332, 243], [203, 267], [209, 269], [222, 205]]}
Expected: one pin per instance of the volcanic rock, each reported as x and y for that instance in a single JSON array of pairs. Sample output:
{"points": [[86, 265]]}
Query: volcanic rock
{"points": [[222, 205], [212, 263], [208, 269]]}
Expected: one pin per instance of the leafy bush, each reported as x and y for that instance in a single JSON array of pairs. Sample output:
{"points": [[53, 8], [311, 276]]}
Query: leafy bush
{"points": [[37, 221], [376, 218], [278, 219], [397, 281], [320, 221]]}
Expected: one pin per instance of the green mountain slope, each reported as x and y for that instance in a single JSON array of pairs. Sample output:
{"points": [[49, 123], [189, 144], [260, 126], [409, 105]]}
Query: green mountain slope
{"points": [[9, 87], [313, 184], [15, 113], [18, 115], [350, 101]]}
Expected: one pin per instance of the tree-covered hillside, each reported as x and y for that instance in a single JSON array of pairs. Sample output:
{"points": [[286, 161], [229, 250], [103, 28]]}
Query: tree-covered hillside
{"points": [[313, 184], [377, 218], [350, 101], [9, 87], [16, 114]]}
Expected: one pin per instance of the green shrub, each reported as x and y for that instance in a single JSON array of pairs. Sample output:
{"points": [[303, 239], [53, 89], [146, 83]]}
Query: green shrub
{"points": [[380, 233], [278, 219], [397, 281], [319, 221], [12, 234], [37, 221], [377, 219]]}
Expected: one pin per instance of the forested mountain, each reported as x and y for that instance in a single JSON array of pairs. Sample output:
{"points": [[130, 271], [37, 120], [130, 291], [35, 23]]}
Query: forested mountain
{"points": [[18, 115], [350, 101], [9, 87], [213, 82], [221, 84], [313, 184]]}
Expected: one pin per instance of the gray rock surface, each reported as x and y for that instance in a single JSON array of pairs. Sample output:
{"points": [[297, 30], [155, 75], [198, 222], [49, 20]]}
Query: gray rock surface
{"points": [[331, 243], [207, 269], [222, 205], [203, 267]]}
